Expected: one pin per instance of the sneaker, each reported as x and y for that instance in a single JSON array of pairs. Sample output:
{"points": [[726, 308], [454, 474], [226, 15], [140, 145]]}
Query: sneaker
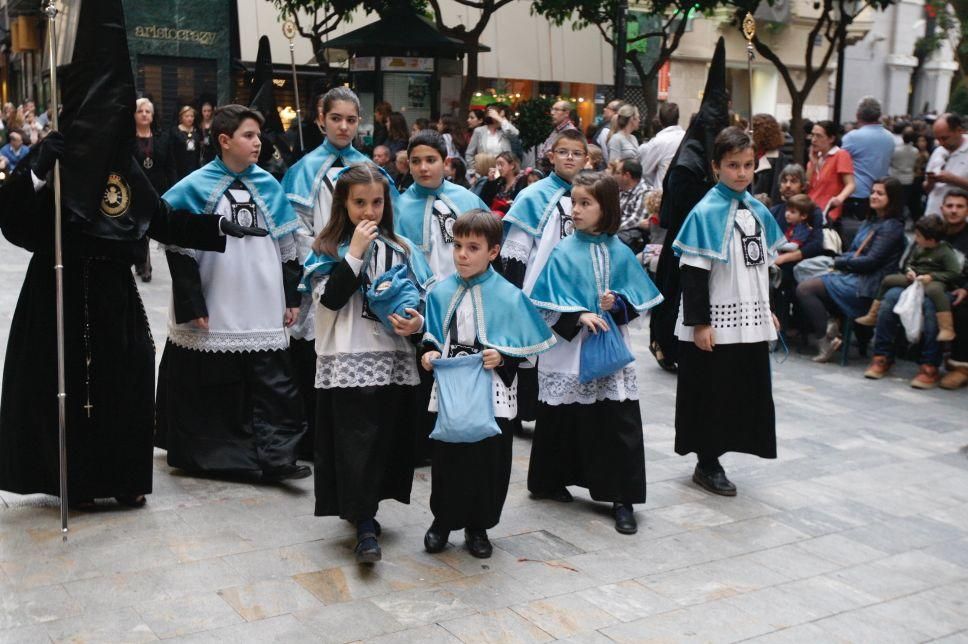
{"points": [[828, 348], [878, 368], [927, 378], [956, 378]]}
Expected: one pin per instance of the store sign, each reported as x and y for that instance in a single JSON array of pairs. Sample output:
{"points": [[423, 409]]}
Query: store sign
{"points": [[155, 32], [406, 64], [363, 64]]}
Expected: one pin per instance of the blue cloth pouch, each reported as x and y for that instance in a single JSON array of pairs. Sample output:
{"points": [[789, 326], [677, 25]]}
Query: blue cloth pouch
{"points": [[603, 353], [465, 407], [393, 292]]}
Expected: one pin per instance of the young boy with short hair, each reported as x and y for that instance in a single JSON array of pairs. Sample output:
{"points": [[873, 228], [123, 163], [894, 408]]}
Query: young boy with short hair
{"points": [[226, 398], [477, 311], [799, 233]]}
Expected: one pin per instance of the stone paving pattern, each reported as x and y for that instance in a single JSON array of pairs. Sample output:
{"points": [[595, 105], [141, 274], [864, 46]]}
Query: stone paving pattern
{"points": [[857, 533]]}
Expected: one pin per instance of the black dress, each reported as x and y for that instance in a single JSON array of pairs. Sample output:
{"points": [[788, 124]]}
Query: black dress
{"points": [[186, 151], [110, 402]]}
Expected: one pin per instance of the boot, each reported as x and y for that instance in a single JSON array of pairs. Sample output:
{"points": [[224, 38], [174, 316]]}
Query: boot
{"points": [[871, 318], [927, 377], [946, 326], [956, 378], [878, 368]]}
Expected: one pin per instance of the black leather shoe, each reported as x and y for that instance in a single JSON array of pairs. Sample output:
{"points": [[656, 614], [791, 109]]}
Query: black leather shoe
{"points": [[286, 472], [562, 495], [436, 539], [715, 482], [624, 519], [477, 543], [367, 549]]}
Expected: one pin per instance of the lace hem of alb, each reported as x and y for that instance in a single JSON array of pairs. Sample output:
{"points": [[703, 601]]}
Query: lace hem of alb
{"points": [[556, 388], [515, 250], [228, 342], [289, 249], [374, 369], [191, 252]]}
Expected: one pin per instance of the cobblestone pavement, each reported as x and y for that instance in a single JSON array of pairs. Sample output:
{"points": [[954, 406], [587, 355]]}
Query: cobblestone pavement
{"points": [[858, 532]]}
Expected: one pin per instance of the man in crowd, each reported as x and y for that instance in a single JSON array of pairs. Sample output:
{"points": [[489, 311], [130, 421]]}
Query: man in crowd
{"points": [[947, 169], [955, 211], [656, 155], [561, 118], [871, 147], [381, 157], [632, 191], [605, 127]]}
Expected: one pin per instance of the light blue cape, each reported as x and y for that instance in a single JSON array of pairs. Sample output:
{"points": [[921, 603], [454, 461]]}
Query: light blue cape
{"points": [[582, 267], [709, 228], [413, 211], [506, 320], [319, 264], [535, 204], [200, 192], [303, 180]]}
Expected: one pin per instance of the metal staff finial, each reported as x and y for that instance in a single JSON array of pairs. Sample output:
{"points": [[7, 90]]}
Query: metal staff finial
{"points": [[749, 31], [50, 10], [289, 31]]}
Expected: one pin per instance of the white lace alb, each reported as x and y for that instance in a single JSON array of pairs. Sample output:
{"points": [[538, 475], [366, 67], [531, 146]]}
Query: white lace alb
{"points": [[372, 369], [557, 388]]}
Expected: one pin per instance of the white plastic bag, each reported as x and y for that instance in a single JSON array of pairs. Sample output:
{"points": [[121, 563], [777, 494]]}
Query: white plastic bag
{"points": [[909, 309]]}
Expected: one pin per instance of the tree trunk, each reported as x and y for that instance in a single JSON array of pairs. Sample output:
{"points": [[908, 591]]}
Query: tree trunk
{"points": [[470, 81], [796, 128]]}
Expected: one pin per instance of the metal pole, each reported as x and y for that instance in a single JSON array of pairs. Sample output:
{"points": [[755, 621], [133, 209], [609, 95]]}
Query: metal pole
{"points": [[839, 88], [621, 44], [749, 31], [51, 12], [295, 86]]}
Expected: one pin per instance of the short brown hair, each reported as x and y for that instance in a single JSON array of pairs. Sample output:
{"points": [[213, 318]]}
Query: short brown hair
{"points": [[480, 222], [228, 118], [604, 189], [571, 135], [802, 204], [931, 227]]}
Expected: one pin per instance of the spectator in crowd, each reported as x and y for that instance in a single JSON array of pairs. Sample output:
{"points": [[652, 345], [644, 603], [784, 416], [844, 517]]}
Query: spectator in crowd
{"points": [[403, 178], [793, 182], [830, 173], [32, 130], [871, 147], [504, 182], [496, 135], [561, 119], [768, 138], [419, 125], [207, 110], [484, 163], [934, 264], [902, 168], [622, 143], [596, 159], [605, 127], [475, 119], [152, 153], [397, 134], [185, 143], [449, 128], [634, 226], [874, 252], [923, 144], [456, 172], [381, 157], [656, 155], [955, 210], [947, 168], [381, 113], [15, 150]]}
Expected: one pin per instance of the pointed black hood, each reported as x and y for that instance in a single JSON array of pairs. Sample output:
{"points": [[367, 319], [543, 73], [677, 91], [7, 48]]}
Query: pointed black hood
{"points": [[696, 150], [102, 184], [276, 154]]}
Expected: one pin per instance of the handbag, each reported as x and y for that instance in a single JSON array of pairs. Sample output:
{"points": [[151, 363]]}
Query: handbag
{"points": [[465, 404], [603, 353], [392, 292], [833, 244]]}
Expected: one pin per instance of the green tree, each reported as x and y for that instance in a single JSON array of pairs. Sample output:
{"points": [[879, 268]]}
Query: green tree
{"points": [[829, 33], [671, 18]]}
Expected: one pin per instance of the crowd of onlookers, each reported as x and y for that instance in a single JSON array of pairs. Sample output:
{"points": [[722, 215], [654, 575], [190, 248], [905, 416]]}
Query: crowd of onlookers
{"points": [[20, 127]]}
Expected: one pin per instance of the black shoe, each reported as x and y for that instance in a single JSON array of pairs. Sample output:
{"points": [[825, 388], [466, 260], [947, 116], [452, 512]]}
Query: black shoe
{"points": [[562, 495], [436, 539], [285, 472], [477, 543], [132, 501], [624, 519], [715, 482], [367, 549], [665, 363]]}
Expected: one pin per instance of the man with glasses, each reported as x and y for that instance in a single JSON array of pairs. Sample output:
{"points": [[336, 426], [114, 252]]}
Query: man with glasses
{"points": [[561, 118], [947, 169]]}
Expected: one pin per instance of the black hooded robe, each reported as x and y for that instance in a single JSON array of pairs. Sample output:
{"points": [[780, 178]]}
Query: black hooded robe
{"points": [[109, 444]]}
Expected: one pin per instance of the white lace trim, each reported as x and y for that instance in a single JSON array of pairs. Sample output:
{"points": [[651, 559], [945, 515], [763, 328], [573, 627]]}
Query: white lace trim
{"points": [[516, 250], [190, 252], [556, 388], [288, 248], [229, 342], [372, 369]]}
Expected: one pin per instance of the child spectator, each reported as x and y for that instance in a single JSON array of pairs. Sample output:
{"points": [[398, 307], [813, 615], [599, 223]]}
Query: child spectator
{"points": [[800, 235], [935, 264]]}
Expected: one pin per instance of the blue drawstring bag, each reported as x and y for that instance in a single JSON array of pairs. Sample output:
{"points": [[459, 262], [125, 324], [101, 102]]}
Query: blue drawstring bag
{"points": [[603, 353], [393, 292], [465, 407]]}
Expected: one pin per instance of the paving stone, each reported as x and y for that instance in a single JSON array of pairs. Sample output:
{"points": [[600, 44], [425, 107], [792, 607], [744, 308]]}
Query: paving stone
{"points": [[711, 622], [25, 635], [627, 600], [539, 545], [117, 625], [430, 634], [117, 590], [488, 591], [422, 606], [20, 608], [349, 621], [189, 614], [267, 598], [495, 627], [284, 628], [565, 615]]}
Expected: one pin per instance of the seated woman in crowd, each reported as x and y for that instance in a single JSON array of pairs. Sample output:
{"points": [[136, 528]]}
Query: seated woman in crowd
{"points": [[848, 291], [504, 182]]}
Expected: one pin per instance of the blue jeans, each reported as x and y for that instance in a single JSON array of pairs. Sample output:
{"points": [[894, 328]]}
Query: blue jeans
{"points": [[888, 324]]}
